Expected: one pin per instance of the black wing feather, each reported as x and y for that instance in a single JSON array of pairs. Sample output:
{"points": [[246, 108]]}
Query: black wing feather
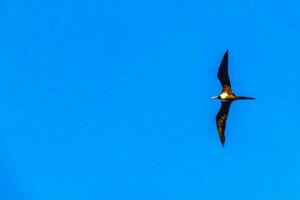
{"points": [[223, 71], [221, 119]]}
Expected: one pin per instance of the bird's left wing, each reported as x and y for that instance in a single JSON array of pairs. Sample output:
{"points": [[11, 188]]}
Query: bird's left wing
{"points": [[221, 120], [223, 71]]}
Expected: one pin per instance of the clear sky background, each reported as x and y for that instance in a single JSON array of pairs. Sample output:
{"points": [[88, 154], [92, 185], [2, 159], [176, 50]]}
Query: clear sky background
{"points": [[111, 99]]}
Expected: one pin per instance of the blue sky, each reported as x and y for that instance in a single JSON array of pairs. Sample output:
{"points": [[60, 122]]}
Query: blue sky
{"points": [[111, 100]]}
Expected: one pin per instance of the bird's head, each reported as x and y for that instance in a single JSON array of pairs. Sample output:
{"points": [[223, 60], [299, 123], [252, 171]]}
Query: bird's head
{"points": [[216, 97]]}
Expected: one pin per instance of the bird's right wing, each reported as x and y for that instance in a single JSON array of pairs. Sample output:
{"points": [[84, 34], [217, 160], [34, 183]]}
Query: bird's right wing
{"points": [[221, 120], [223, 71]]}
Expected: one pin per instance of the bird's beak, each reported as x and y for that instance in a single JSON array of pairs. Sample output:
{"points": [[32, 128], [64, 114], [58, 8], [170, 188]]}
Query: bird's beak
{"points": [[214, 97]]}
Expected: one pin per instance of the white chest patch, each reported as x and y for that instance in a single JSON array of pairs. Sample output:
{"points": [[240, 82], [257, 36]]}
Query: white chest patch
{"points": [[224, 95]]}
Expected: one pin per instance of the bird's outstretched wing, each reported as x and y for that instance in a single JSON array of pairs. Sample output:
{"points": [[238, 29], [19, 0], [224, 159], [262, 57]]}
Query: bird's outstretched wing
{"points": [[221, 120], [223, 71]]}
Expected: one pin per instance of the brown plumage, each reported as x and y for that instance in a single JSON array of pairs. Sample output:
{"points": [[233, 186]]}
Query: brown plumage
{"points": [[226, 96], [221, 119]]}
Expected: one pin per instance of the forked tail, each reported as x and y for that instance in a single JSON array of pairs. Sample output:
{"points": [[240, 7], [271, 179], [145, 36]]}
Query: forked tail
{"points": [[245, 98]]}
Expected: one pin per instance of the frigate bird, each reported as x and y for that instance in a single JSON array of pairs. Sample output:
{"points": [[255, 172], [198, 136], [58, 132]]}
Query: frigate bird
{"points": [[226, 97]]}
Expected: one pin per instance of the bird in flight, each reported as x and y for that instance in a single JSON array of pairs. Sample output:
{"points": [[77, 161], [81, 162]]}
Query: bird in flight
{"points": [[226, 97]]}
